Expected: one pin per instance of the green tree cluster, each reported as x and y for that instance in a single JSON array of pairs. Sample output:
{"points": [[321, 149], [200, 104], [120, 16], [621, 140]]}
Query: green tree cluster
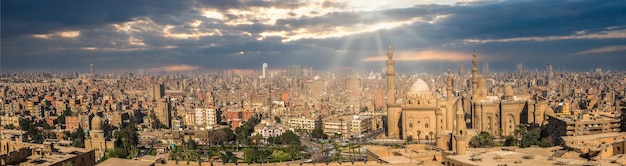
{"points": [[32, 131], [243, 131], [126, 142], [287, 138], [78, 138], [533, 137], [318, 133], [483, 140]]}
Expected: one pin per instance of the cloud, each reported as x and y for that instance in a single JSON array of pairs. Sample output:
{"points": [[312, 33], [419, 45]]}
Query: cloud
{"points": [[175, 68], [603, 50], [618, 34], [323, 34], [426, 55]]}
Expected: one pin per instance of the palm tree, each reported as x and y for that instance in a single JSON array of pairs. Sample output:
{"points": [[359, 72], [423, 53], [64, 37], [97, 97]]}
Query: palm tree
{"points": [[419, 133]]}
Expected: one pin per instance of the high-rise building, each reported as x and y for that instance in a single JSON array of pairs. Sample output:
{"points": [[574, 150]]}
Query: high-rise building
{"points": [[91, 69], [205, 117], [294, 71], [486, 68], [163, 111], [156, 91], [264, 66]]}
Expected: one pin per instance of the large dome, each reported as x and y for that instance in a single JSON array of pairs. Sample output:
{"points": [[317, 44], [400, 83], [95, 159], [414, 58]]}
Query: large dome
{"points": [[508, 90], [419, 88], [482, 82], [96, 123]]}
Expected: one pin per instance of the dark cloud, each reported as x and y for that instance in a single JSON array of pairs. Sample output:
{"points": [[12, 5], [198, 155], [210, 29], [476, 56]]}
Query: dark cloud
{"points": [[444, 28], [34, 17]]}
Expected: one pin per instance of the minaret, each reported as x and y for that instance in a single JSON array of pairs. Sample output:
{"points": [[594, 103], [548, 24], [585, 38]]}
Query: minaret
{"points": [[391, 77], [449, 86], [474, 72], [393, 108], [441, 139], [460, 135]]}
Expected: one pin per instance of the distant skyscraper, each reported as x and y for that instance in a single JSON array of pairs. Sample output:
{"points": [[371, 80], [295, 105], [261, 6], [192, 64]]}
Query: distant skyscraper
{"points": [[264, 66], [91, 69], [549, 70], [294, 71], [157, 91], [520, 68], [486, 68]]}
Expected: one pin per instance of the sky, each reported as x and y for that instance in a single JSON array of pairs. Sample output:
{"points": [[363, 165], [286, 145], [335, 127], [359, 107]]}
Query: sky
{"points": [[326, 35]]}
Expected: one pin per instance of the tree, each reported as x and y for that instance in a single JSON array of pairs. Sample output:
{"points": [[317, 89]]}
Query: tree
{"points": [[419, 133], [510, 140], [117, 153], [318, 133], [78, 138], [533, 137], [230, 136], [431, 135], [409, 139], [127, 139], [483, 140], [191, 144], [277, 119], [289, 138]]}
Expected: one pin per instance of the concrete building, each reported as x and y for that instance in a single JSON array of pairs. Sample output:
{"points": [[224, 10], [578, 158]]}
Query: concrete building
{"points": [[337, 127], [360, 125], [163, 111], [72, 123], [19, 153], [584, 124], [205, 117], [302, 124]]}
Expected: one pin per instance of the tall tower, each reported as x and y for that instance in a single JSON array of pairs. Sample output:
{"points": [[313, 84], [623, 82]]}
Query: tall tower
{"points": [[391, 77], [449, 86], [460, 135], [91, 69], [163, 111], [393, 108], [264, 66], [474, 72]]}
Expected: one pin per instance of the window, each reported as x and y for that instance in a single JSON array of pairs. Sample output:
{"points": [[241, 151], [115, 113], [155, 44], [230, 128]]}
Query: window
{"points": [[426, 125], [411, 124]]}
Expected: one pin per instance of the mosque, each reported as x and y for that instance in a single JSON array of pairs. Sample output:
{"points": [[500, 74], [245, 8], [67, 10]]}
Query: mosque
{"points": [[426, 115]]}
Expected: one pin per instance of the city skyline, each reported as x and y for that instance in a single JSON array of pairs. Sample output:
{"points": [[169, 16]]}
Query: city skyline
{"points": [[323, 35]]}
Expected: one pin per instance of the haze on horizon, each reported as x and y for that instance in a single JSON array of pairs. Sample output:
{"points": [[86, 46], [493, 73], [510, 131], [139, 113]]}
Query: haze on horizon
{"points": [[326, 35]]}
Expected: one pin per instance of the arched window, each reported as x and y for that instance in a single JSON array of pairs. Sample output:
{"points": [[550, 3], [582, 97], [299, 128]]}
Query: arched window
{"points": [[426, 125], [411, 124]]}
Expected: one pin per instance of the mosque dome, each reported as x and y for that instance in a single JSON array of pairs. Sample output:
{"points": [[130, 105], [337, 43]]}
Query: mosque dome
{"points": [[508, 90], [419, 88], [96, 123], [482, 82]]}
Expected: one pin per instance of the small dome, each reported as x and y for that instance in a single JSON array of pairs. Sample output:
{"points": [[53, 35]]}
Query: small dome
{"points": [[419, 88], [96, 123], [508, 90]]}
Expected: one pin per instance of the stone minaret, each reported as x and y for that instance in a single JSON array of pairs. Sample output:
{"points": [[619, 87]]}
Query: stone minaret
{"points": [[393, 108], [460, 135], [391, 78], [474, 73]]}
